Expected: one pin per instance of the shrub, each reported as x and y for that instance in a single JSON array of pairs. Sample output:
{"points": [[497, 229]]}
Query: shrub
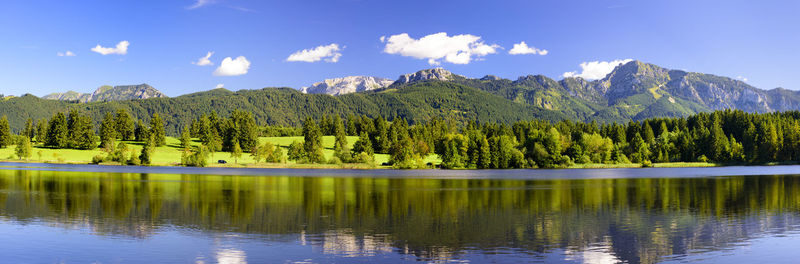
{"points": [[98, 159]]}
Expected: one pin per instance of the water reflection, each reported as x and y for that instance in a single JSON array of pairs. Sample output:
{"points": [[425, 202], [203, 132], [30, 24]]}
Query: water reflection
{"points": [[588, 221]]}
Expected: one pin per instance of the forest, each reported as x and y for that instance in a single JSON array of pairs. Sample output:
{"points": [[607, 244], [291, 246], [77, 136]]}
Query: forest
{"points": [[721, 137]]}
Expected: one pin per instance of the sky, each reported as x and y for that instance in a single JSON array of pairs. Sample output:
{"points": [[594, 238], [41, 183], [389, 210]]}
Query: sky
{"points": [[186, 46]]}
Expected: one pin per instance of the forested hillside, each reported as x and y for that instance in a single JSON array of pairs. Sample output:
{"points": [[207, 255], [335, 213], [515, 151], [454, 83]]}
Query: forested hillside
{"points": [[286, 106]]}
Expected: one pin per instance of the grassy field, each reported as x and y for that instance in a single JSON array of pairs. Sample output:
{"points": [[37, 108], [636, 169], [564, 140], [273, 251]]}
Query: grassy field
{"points": [[170, 154]]}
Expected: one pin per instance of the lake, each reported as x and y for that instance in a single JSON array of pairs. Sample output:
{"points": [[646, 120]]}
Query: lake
{"points": [[109, 214]]}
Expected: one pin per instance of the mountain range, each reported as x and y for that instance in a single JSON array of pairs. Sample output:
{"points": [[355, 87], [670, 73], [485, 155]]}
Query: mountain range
{"points": [[109, 93], [632, 91]]}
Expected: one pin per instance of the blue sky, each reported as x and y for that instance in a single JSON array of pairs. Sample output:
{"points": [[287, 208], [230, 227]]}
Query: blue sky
{"points": [[756, 40]]}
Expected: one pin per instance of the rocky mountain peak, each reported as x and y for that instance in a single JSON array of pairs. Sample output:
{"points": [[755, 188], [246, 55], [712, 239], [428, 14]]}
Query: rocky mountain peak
{"points": [[423, 75], [109, 93], [490, 78], [345, 85]]}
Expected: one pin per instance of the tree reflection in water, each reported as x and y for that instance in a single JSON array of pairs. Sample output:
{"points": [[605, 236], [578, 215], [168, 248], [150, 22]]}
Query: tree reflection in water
{"points": [[632, 220]]}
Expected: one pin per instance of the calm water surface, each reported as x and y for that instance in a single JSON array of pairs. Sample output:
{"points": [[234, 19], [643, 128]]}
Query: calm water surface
{"points": [[116, 217]]}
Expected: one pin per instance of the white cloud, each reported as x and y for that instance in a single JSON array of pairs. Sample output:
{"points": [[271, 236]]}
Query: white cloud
{"points": [[200, 3], [522, 48], [383, 39], [744, 79], [220, 86], [204, 61], [66, 54], [458, 49], [329, 53], [121, 48], [594, 70], [232, 67]]}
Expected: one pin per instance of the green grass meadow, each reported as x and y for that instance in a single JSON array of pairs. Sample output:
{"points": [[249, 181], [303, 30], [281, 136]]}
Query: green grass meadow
{"points": [[170, 154]]}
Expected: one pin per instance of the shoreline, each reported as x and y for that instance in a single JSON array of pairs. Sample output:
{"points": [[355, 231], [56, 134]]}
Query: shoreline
{"points": [[510, 174]]}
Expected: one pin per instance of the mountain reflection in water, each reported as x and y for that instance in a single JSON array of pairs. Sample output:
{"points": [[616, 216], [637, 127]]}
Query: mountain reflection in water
{"points": [[640, 220]]}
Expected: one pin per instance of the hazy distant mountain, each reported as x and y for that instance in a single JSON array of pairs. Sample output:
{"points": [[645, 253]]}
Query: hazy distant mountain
{"points": [[346, 85], [108, 93]]}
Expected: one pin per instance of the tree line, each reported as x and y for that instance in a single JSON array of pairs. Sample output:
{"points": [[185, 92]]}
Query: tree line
{"points": [[726, 137], [730, 136]]}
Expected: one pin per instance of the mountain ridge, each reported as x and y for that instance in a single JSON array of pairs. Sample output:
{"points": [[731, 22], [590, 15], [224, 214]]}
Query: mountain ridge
{"points": [[632, 91], [109, 93]]}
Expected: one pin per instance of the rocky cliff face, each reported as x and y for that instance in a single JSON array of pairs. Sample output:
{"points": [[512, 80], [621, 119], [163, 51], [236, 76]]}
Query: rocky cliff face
{"points": [[429, 74], [109, 93], [346, 85]]}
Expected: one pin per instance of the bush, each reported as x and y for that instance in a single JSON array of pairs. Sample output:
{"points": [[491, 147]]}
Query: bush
{"points": [[98, 159], [583, 159], [335, 160], [702, 158], [647, 164], [134, 160]]}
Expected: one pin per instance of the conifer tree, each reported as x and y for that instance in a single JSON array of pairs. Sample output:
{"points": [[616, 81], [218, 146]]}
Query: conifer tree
{"points": [[84, 133], [145, 157], [341, 149], [312, 144], [5, 132], [647, 133], [124, 125], [41, 131], [186, 139], [108, 131], [23, 149], [30, 130], [141, 133], [157, 130], [57, 134], [296, 151], [236, 152]]}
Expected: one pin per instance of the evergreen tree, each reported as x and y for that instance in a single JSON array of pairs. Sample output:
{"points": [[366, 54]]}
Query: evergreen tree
{"points": [[736, 150], [647, 133], [236, 152], [402, 154], [363, 145], [84, 133], [23, 149], [157, 130], [277, 155], [241, 128], [5, 132], [145, 157], [484, 154], [41, 131], [719, 150], [108, 131], [381, 140], [352, 126], [312, 144], [296, 151], [341, 149], [57, 134], [453, 151], [186, 139], [30, 129], [141, 133], [767, 142], [72, 118], [124, 125]]}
